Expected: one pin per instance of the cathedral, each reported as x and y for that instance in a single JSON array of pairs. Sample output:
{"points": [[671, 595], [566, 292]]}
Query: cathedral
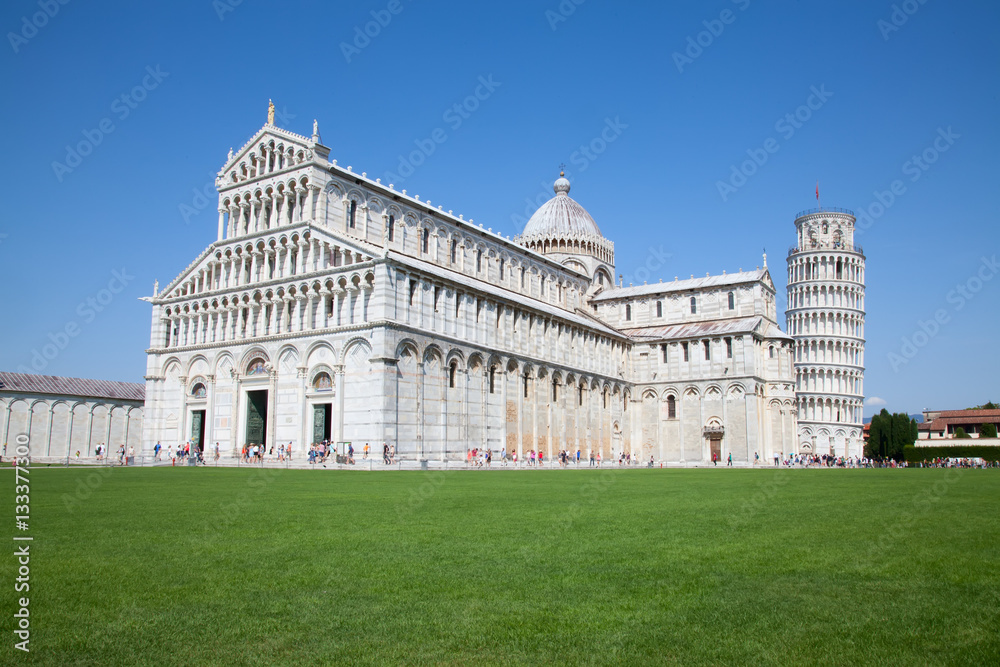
{"points": [[332, 306]]}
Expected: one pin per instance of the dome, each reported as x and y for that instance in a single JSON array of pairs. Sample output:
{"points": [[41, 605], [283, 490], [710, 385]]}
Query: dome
{"points": [[561, 215]]}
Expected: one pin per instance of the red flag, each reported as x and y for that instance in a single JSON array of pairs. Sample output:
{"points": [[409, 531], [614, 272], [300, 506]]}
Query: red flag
{"points": [[817, 190]]}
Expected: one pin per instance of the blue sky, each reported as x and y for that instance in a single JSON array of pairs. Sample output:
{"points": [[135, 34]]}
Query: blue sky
{"points": [[650, 106]]}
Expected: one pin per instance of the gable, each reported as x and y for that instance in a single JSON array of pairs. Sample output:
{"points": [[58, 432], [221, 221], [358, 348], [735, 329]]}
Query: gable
{"points": [[265, 144], [188, 283]]}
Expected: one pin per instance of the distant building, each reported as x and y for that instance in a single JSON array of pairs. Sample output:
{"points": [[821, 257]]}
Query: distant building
{"points": [[61, 415], [826, 316], [332, 306], [942, 424]]}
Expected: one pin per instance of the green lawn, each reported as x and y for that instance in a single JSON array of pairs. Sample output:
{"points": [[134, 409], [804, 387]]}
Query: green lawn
{"points": [[223, 566]]}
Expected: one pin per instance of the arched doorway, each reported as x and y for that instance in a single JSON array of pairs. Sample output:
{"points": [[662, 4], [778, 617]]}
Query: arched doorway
{"points": [[713, 432]]}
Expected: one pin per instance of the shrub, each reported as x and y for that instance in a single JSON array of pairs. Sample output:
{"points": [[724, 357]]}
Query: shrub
{"points": [[916, 454]]}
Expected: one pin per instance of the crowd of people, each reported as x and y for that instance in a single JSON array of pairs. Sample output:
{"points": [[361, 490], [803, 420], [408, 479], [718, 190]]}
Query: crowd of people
{"points": [[320, 452], [957, 463]]}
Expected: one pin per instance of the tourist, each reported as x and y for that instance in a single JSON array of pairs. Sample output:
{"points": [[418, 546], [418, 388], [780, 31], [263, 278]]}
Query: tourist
{"points": [[715, 459], [172, 455], [756, 458], [156, 451], [729, 463], [366, 451]]}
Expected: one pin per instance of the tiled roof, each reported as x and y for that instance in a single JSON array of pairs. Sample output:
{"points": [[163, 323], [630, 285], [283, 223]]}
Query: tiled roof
{"points": [[961, 418], [735, 325], [60, 386], [504, 294], [969, 413], [681, 285]]}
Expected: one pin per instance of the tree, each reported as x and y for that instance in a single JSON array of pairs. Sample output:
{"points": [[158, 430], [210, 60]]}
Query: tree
{"points": [[900, 435], [988, 405], [988, 431], [960, 433], [888, 434]]}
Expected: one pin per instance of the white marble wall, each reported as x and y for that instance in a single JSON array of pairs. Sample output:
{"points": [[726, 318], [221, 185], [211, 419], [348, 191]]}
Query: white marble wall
{"points": [[56, 425]]}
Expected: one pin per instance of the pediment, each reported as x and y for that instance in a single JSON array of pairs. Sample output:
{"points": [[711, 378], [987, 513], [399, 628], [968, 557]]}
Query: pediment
{"points": [[240, 165], [766, 279], [266, 135], [177, 289]]}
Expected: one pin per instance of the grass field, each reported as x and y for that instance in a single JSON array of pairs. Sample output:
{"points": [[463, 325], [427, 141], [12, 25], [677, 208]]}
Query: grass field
{"points": [[179, 566]]}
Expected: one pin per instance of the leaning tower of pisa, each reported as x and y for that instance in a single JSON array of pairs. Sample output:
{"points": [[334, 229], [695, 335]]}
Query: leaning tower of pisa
{"points": [[826, 316]]}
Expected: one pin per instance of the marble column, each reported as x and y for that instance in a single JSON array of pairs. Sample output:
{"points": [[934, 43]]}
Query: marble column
{"points": [[339, 375]]}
